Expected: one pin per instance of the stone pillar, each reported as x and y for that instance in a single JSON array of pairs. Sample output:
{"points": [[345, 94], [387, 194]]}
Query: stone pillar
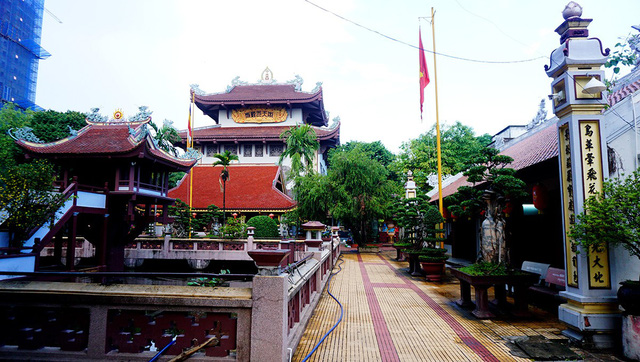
{"points": [[269, 319], [591, 310], [250, 231]]}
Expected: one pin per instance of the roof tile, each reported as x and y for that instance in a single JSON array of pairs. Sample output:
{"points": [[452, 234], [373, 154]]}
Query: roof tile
{"points": [[250, 187]]}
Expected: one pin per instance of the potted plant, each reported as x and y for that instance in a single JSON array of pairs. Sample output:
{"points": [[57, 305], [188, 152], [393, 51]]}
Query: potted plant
{"points": [[612, 218], [432, 262], [400, 246], [495, 188]]}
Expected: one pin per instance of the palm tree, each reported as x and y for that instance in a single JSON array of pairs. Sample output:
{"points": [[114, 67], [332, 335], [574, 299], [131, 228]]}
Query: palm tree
{"points": [[302, 143], [224, 160]]}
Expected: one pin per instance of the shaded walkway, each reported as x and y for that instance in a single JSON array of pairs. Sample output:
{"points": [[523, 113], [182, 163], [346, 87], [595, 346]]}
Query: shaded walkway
{"points": [[390, 316]]}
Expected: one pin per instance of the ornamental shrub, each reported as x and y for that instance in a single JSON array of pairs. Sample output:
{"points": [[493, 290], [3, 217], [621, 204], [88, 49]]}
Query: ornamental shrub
{"points": [[265, 226]]}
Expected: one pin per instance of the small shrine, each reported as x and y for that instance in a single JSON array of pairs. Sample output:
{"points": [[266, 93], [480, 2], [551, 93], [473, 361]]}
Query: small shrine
{"points": [[116, 182]]}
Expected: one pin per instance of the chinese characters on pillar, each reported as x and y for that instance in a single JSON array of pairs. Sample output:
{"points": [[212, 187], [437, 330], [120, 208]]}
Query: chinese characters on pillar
{"points": [[592, 177], [569, 206]]}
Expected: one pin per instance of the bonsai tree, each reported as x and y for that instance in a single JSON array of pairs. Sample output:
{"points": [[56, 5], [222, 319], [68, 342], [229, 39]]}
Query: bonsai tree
{"points": [[184, 219], [495, 186], [611, 217], [418, 218], [265, 226], [235, 228]]}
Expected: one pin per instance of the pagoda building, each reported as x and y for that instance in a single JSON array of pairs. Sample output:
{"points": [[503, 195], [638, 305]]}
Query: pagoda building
{"points": [[115, 180], [247, 120]]}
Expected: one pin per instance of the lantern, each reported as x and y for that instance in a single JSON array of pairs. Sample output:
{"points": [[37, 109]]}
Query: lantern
{"points": [[540, 197], [271, 215], [235, 215], [194, 215]]}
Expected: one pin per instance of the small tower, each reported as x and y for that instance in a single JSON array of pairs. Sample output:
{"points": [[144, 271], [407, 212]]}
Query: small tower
{"points": [[410, 186], [575, 66]]}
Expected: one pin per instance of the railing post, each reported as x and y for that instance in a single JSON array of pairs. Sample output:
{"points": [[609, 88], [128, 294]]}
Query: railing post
{"points": [[269, 322]]}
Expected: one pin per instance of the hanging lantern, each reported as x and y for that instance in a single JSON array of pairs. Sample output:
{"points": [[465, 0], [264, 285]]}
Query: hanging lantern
{"points": [[194, 215], [540, 196], [271, 216], [235, 215]]}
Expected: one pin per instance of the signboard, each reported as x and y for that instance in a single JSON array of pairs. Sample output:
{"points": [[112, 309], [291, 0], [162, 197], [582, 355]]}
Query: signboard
{"points": [[568, 205], [259, 114], [592, 178]]}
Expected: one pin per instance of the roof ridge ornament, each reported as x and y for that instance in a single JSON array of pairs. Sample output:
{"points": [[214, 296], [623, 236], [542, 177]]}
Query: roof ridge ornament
{"points": [[317, 88], [267, 76], [195, 88], [297, 82], [24, 134], [572, 10]]}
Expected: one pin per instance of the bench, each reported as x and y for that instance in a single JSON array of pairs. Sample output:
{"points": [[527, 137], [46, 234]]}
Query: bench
{"points": [[536, 268], [548, 291]]}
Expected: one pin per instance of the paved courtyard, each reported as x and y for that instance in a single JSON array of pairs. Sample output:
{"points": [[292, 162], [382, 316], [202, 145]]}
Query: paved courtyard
{"points": [[391, 316]]}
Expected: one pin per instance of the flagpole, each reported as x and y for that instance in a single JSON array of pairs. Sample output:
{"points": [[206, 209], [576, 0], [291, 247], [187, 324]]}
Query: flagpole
{"points": [[438, 149], [190, 145]]}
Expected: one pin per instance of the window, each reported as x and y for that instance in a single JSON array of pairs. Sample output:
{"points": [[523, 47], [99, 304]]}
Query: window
{"points": [[276, 149], [211, 150], [231, 148], [259, 150], [247, 150]]}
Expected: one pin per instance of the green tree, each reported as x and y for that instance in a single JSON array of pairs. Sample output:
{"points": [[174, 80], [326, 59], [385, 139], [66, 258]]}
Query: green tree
{"points": [[224, 160], [623, 55], [494, 186], [265, 226], [313, 197], [302, 144], [612, 216], [376, 151], [50, 126], [26, 200], [418, 218], [11, 118], [234, 228], [360, 191], [166, 136], [458, 145], [184, 219]]}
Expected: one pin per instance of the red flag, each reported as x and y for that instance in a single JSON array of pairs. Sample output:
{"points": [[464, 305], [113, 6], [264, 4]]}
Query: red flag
{"points": [[424, 74]]}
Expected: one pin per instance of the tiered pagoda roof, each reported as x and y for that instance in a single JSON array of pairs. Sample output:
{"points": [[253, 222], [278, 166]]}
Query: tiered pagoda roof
{"points": [[251, 187], [265, 94], [256, 133], [107, 140]]}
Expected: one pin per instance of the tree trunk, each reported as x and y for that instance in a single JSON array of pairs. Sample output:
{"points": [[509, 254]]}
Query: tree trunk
{"points": [[493, 245]]}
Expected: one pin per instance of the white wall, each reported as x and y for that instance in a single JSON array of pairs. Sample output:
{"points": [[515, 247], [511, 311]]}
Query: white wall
{"points": [[621, 136]]}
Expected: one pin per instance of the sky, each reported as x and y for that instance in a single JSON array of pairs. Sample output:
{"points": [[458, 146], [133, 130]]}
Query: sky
{"points": [[123, 54]]}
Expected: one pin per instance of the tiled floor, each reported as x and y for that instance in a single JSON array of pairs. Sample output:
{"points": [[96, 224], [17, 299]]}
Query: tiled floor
{"points": [[391, 316]]}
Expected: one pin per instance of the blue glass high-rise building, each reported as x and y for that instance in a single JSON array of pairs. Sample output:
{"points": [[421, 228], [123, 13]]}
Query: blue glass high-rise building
{"points": [[20, 50]]}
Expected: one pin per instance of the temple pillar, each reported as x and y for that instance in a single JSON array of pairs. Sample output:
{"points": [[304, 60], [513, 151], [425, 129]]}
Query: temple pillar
{"points": [[591, 311]]}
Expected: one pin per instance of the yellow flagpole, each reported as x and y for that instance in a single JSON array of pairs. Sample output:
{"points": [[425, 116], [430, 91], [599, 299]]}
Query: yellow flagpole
{"points": [[190, 145], [438, 150]]}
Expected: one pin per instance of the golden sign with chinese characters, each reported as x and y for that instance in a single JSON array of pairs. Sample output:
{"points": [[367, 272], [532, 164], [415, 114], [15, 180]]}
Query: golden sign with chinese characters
{"points": [[259, 114], [592, 178], [569, 207]]}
